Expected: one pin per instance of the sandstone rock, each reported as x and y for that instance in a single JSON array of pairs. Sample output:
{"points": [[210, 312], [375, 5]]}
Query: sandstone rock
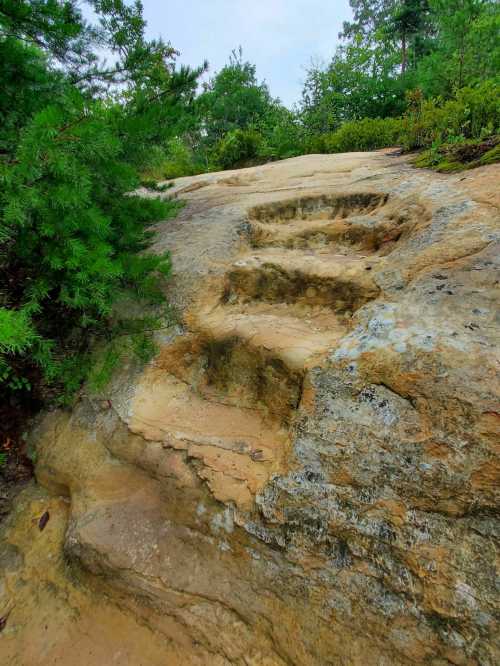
{"points": [[308, 472]]}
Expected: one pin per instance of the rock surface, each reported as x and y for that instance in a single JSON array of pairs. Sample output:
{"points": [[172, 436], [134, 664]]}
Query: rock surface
{"points": [[308, 472]]}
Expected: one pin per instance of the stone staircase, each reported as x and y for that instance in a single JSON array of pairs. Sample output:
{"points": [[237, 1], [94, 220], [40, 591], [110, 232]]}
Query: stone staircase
{"points": [[234, 383], [305, 474]]}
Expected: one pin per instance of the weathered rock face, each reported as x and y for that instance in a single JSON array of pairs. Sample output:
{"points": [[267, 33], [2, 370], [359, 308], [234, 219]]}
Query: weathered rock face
{"points": [[308, 472]]}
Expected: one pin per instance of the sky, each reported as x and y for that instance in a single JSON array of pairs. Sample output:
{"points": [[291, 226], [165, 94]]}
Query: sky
{"points": [[279, 36]]}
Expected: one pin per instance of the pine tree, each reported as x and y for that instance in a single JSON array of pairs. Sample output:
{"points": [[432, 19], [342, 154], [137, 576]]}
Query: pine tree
{"points": [[73, 239], [407, 23]]}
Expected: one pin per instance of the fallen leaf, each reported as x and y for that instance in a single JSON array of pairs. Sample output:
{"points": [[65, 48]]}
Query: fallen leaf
{"points": [[43, 520]]}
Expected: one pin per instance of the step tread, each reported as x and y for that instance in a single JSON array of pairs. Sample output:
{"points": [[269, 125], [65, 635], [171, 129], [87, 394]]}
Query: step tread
{"points": [[296, 231], [167, 409], [297, 339], [313, 263]]}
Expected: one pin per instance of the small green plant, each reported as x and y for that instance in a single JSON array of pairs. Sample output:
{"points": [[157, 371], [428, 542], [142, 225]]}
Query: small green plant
{"points": [[431, 157], [128, 338], [180, 160], [457, 156], [238, 147]]}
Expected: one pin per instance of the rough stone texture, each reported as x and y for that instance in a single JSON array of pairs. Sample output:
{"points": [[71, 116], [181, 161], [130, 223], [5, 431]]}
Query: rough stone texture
{"points": [[308, 472]]}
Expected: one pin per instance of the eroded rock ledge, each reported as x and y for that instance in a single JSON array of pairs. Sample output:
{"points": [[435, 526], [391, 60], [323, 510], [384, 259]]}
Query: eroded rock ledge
{"points": [[307, 474]]}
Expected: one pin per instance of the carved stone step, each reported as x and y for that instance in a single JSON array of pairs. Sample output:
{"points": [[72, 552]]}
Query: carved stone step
{"points": [[342, 283], [278, 331], [237, 449], [368, 233]]}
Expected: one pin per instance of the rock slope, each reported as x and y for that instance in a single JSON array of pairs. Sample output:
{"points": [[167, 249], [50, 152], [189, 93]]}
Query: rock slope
{"points": [[308, 472]]}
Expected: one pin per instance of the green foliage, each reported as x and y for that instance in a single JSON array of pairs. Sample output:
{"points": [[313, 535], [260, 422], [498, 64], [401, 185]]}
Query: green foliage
{"points": [[369, 16], [365, 134], [491, 156], [70, 227], [173, 160], [180, 160], [394, 46], [461, 155], [73, 237], [127, 338], [473, 114], [238, 148], [233, 99], [391, 48], [357, 84], [56, 27], [16, 331], [408, 24], [26, 88], [283, 135], [465, 49], [152, 184], [450, 130]]}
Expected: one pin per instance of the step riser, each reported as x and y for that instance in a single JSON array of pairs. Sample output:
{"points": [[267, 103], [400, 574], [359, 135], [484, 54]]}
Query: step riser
{"points": [[322, 207], [252, 378], [276, 286], [350, 236], [231, 371]]}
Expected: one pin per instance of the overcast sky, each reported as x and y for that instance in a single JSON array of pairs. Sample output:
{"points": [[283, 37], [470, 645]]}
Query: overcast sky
{"points": [[279, 36]]}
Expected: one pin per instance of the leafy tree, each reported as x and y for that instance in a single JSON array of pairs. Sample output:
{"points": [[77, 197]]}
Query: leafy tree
{"points": [[238, 148], [56, 27], [233, 99], [283, 134], [369, 16], [393, 46], [358, 83], [466, 49]]}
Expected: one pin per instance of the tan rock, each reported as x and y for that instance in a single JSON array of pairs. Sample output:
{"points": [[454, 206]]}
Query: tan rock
{"points": [[308, 472]]}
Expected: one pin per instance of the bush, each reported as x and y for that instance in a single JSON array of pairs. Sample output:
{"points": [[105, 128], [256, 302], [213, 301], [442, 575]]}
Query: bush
{"points": [[174, 160], [284, 135], [180, 160], [364, 134], [238, 148], [74, 134], [473, 114]]}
